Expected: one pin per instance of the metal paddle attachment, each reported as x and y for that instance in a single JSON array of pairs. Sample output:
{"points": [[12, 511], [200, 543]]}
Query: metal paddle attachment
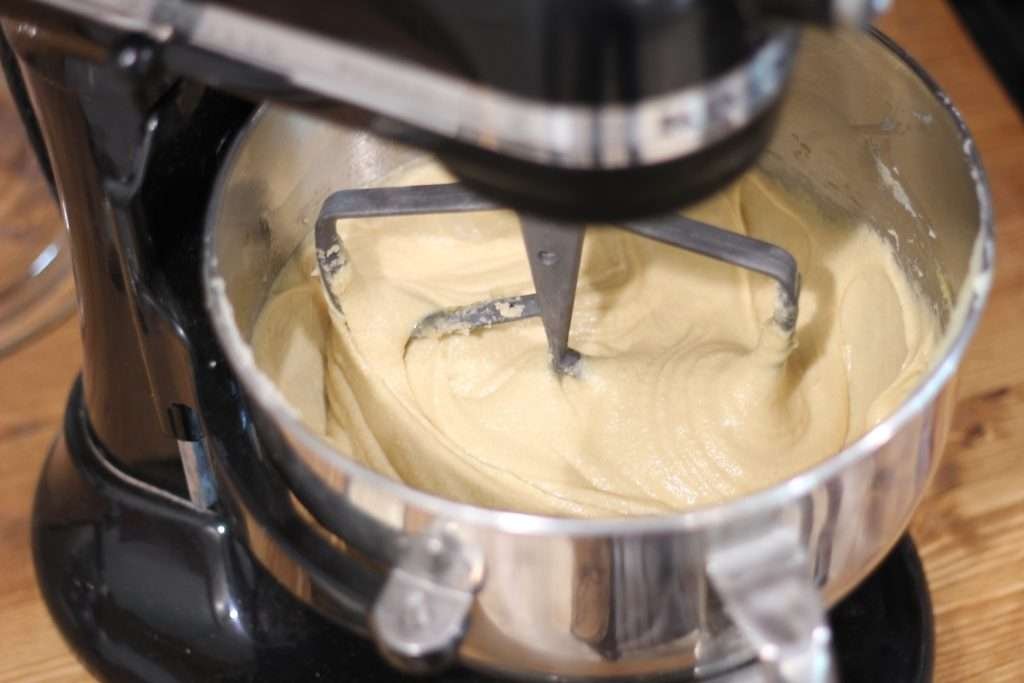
{"points": [[553, 250]]}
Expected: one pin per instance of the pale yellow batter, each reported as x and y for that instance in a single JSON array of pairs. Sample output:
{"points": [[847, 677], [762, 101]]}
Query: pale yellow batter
{"points": [[687, 395]]}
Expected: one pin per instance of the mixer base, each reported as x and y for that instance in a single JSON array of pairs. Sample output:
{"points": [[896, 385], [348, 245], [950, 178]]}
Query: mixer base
{"points": [[145, 589]]}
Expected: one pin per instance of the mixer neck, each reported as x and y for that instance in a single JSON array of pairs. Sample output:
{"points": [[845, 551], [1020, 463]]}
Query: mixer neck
{"points": [[133, 158]]}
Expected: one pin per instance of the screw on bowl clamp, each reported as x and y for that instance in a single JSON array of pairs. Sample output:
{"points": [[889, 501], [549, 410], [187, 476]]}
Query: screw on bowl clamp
{"points": [[422, 613]]}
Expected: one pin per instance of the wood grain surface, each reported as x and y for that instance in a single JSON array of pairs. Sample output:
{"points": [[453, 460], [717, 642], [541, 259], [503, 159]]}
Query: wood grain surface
{"points": [[970, 529]]}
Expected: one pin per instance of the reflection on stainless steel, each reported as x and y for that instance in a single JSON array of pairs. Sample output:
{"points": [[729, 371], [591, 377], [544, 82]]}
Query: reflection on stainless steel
{"points": [[623, 597], [633, 572], [202, 486]]}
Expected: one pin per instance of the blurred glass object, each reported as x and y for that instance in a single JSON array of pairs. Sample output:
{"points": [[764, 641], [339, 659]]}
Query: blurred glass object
{"points": [[36, 286]]}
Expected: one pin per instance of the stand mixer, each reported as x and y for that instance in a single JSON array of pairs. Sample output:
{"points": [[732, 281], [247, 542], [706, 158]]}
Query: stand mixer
{"points": [[612, 110]]}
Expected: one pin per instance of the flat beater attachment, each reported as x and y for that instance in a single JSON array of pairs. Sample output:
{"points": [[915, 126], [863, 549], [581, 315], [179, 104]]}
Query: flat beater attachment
{"points": [[553, 249]]}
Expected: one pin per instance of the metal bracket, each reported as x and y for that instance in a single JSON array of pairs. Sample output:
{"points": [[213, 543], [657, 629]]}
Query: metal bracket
{"points": [[422, 614], [166, 351], [202, 487], [765, 583]]}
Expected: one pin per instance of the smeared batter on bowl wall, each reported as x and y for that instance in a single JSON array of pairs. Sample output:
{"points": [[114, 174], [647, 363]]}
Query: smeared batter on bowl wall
{"points": [[688, 393]]}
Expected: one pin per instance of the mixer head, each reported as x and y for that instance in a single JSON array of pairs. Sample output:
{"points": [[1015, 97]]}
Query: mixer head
{"points": [[578, 109]]}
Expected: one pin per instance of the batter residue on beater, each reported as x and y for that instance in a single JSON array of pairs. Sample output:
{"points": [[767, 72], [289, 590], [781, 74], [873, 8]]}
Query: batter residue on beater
{"points": [[688, 393]]}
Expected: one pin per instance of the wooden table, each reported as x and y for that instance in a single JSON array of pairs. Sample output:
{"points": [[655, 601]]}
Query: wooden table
{"points": [[970, 529]]}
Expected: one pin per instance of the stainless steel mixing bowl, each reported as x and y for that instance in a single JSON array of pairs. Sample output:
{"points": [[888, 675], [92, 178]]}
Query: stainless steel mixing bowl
{"points": [[865, 133]]}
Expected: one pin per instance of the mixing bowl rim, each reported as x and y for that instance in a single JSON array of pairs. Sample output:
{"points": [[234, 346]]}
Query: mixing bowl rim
{"points": [[260, 388]]}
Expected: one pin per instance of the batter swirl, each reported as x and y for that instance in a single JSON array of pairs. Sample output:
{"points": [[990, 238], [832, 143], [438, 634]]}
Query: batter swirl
{"points": [[688, 393]]}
